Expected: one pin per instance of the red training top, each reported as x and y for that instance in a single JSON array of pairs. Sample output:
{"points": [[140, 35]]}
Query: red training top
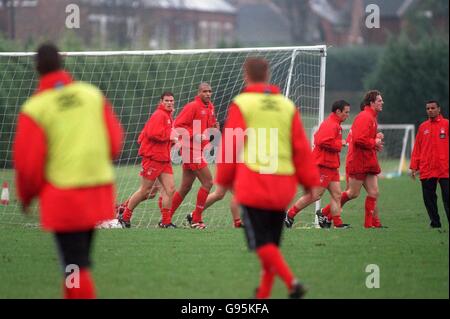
{"points": [[364, 131], [328, 142], [430, 153], [155, 137], [267, 191]]}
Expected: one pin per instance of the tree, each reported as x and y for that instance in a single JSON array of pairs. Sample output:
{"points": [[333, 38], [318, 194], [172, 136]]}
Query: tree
{"points": [[408, 75]]}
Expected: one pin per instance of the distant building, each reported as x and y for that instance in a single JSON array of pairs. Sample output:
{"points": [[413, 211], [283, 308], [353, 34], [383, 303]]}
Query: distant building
{"points": [[154, 24]]}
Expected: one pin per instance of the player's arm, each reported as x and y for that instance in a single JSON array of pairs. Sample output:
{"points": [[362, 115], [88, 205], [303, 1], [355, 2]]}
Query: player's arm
{"points": [[415, 156], [305, 168], [226, 167], [29, 154], [115, 130], [185, 118], [361, 131], [156, 129], [326, 138]]}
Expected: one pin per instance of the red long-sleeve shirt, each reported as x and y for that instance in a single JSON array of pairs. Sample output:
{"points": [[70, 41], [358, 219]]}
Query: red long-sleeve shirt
{"points": [[266, 191], [204, 117], [155, 137], [364, 158], [430, 153], [328, 142], [74, 209]]}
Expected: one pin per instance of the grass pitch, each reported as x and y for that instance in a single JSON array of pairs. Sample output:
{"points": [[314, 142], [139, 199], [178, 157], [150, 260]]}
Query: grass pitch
{"points": [[215, 263]]}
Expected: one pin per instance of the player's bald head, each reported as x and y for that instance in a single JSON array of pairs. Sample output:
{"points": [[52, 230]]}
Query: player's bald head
{"points": [[204, 86]]}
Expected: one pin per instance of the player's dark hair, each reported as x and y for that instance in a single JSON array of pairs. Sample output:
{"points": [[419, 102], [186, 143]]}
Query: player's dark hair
{"points": [[435, 102], [167, 93], [48, 59], [371, 96], [339, 105], [257, 69], [362, 105]]}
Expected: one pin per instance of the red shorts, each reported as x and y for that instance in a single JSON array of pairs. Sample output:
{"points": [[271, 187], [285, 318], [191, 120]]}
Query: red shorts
{"points": [[151, 169], [328, 175], [194, 166], [359, 177]]}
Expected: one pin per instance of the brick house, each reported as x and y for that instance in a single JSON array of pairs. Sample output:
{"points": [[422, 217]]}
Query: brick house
{"points": [[154, 24]]}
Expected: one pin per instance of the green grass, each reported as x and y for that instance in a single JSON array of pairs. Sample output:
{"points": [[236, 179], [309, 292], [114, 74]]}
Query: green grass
{"points": [[215, 263]]}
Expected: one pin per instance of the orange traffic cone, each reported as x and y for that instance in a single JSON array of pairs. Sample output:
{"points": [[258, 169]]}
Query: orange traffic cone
{"points": [[5, 194]]}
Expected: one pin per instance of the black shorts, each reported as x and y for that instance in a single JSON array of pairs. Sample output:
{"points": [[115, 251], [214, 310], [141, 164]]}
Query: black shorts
{"points": [[75, 248], [262, 227]]}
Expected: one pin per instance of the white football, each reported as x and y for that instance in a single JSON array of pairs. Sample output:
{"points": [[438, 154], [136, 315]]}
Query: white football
{"points": [[109, 224]]}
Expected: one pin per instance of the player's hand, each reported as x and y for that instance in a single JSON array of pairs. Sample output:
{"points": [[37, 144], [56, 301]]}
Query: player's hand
{"points": [[217, 126], [379, 144], [414, 173], [344, 143], [380, 135]]}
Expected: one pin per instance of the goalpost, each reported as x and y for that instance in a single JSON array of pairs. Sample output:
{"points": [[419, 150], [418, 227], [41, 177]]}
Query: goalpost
{"points": [[134, 80]]}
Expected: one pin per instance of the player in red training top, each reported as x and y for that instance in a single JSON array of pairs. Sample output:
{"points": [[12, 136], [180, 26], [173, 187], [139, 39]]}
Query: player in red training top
{"points": [[194, 124], [430, 160], [264, 177], [362, 164], [324, 214], [328, 143], [155, 142], [67, 136]]}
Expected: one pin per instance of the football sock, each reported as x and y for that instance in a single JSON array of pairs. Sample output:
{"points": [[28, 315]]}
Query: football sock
{"points": [[127, 214], [85, 290], [237, 223], [176, 202], [293, 211], [166, 217], [271, 255], [267, 279], [202, 195], [326, 211], [370, 205]]}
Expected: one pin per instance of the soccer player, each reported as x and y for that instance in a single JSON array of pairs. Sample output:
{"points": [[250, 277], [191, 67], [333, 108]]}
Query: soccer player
{"points": [[328, 143], [193, 123], [264, 188], [155, 141], [430, 160], [362, 161], [67, 136]]}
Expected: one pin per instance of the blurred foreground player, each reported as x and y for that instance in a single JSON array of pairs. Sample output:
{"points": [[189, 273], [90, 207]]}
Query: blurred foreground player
{"points": [[264, 188], [67, 136]]}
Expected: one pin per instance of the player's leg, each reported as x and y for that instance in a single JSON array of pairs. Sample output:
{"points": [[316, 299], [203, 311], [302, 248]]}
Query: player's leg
{"points": [[204, 176], [234, 208], [187, 179], [334, 188], [218, 194], [74, 249], [429, 187], [372, 218], [263, 231], [168, 184], [139, 196], [354, 185], [445, 193], [304, 201]]}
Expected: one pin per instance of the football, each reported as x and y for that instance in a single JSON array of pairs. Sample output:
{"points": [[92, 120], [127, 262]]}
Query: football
{"points": [[109, 224]]}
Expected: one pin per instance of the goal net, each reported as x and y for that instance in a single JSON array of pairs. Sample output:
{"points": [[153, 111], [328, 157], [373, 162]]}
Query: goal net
{"points": [[134, 80]]}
